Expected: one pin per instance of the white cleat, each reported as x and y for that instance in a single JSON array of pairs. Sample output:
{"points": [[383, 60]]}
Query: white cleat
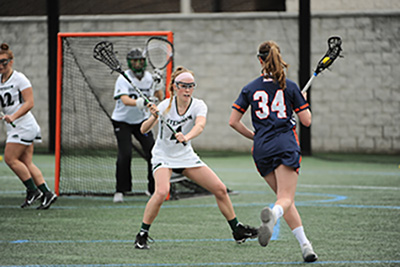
{"points": [[118, 197], [268, 221], [308, 253]]}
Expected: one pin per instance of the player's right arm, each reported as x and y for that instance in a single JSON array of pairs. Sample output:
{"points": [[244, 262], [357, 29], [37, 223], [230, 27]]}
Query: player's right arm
{"points": [[130, 101], [122, 92], [148, 124], [235, 121]]}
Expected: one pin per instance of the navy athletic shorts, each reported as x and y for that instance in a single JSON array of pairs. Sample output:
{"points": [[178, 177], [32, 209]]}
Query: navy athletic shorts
{"points": [[289, 158]]}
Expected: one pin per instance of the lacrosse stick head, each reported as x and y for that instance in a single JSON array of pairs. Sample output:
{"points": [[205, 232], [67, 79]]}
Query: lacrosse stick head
{"points": [[104, 52], [159, 52], [334, 50]]}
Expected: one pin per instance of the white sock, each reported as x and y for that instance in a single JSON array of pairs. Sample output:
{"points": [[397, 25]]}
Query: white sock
{"points": [[300, 235], [278, 211]]}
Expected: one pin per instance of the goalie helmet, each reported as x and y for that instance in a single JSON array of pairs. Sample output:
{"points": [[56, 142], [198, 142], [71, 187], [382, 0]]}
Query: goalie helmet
{"points": [[137, 54]]}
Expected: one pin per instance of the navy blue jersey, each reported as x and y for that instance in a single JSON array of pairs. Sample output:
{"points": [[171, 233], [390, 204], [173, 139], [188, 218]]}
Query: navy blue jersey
{"points": [[272, 115]]}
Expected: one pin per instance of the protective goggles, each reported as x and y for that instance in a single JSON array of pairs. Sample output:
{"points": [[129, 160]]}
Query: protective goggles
{"points": [[263, 56], [4, 62], [183, 85]]}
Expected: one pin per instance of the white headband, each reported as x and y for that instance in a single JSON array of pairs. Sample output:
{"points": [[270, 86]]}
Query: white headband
{"points": [[184, 75]]}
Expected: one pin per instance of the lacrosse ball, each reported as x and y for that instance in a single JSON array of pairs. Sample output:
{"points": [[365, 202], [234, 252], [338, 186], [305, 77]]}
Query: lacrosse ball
{"points": [[1, 159], [326, 59]]}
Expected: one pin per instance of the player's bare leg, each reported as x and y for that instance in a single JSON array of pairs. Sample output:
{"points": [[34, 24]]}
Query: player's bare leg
{"points": [[12, 156], [34, 171], [162, 178], [206, 178]]}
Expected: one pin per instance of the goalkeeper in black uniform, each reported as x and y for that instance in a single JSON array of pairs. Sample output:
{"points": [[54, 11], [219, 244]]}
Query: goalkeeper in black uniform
{"points": [[128, 115]]}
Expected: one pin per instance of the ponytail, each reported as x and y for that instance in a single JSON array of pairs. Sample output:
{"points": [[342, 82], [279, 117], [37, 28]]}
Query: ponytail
{"points": [[273, 64]]}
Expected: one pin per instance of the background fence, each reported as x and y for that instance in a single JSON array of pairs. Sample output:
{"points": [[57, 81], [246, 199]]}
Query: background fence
{"points": [[356, 106]]}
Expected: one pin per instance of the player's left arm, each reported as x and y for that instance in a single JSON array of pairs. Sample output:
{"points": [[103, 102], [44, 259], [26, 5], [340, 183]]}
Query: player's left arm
{"points": [[197, 129], [305, 117]]}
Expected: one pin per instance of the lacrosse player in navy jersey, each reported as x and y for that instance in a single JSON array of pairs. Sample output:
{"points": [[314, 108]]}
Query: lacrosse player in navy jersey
{"points": [[129, 114], [16, 95], [276, 151], [188, 116]]}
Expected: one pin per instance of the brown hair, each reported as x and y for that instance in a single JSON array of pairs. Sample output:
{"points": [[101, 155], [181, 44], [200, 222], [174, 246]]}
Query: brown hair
{"points": [[5, 50], [273, 64], [178, 70]]}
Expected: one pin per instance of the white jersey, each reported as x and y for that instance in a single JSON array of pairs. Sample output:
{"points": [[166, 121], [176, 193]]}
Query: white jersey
{"points": [[11, 98], [27, 130], [131, 114], [167, 151]]}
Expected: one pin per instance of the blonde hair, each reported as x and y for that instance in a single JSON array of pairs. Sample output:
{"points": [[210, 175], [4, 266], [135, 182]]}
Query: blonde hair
{"points": [[178, 70], [273, 64], [5, 50]]}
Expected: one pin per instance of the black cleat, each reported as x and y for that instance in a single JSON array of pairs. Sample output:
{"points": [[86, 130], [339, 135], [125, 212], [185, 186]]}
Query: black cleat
{"points": [[31, 196], [141, 240], [48, 199], [244, 232]]}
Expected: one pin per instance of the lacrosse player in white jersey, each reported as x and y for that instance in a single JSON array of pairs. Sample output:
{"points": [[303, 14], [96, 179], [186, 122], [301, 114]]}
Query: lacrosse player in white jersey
{"points": [[174, 153], [16, 95], [128, 115]]}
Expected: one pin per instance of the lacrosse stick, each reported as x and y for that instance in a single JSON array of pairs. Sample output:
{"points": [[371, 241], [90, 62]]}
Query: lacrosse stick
{"points": [[2, 116], [104, 52], [159, 51], [334, 44]]}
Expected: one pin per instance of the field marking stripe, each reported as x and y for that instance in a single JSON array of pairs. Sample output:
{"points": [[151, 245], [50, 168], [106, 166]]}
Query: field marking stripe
{"points": [[25, 241], [214, 264], [300, 203], [310, 171], [362, 187]]}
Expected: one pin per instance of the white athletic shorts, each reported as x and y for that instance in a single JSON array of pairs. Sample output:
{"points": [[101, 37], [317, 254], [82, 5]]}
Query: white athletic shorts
{"points": [[188, 161], [25, 132]]}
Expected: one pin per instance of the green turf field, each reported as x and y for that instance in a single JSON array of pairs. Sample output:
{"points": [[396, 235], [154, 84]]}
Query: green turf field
{"points": [[350, 206]]}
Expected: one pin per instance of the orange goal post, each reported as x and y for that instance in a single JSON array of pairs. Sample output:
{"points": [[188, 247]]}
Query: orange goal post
{"points": [[85, 144]]}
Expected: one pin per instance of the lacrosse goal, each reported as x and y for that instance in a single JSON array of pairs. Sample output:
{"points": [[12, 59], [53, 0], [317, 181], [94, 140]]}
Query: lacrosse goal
{"points": [[86, 147]]}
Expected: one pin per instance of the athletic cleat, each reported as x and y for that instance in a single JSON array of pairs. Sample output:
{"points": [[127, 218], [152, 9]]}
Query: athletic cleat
{"points": [[141, 240], [268, 221], [308, 253], [31, 196], [118, 197], [244, 232], [48, 199]]}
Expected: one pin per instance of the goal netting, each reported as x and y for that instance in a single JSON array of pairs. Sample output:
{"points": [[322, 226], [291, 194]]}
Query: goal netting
{"points": [[86, 147]]}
